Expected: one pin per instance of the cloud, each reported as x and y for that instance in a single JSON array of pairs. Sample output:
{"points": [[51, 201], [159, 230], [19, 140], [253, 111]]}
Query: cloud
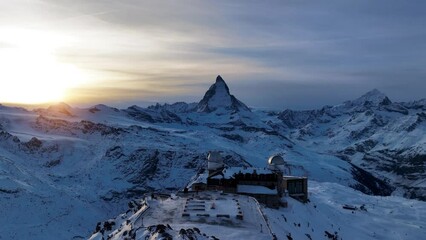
{"points": [[6, 45], [296, 51]]}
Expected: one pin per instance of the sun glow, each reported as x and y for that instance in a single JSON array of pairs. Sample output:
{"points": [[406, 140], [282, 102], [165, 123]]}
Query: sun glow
{"points": [[29, 71]]}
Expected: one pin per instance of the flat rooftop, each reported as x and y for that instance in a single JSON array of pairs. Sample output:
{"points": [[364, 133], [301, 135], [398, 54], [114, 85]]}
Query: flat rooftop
{"points": [[226, 216]]}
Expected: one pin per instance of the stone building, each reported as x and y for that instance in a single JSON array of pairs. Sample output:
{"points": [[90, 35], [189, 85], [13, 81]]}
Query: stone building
{"points": [[268, 185]]}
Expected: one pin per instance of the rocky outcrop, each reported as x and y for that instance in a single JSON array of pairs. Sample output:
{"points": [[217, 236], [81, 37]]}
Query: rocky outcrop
{"points": [[219, 97]]}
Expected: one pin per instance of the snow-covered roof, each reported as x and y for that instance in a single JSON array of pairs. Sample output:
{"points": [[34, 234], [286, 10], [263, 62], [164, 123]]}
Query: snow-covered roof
{"points": [[256, 189], [294, 177], [218, 176], [201, 178], [229, 172]]}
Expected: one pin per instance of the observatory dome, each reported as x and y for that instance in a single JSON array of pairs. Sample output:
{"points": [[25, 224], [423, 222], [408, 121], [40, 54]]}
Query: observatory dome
{"points": [[215, 161], [276, 160]]}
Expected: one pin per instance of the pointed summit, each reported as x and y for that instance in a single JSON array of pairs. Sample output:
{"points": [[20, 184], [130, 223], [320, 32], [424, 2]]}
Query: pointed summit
{"points": [[220, 85], [219, 97], [374, 93], [219, 79], [221, 82], [372, 98]]}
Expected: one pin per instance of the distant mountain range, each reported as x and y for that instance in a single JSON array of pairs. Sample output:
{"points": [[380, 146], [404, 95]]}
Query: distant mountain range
{"points": [[81, 165]]}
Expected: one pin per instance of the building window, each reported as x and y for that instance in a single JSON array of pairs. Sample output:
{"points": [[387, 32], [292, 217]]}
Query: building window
{"points": [[295, 187]]}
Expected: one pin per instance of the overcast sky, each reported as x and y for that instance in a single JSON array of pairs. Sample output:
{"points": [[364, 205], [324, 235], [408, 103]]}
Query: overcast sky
{"points": [[274, 54]]}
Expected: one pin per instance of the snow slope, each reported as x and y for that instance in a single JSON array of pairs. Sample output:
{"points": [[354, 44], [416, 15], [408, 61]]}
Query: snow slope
{"points": [[383, 218], [383, 138], [62, 169], [322, 218]]}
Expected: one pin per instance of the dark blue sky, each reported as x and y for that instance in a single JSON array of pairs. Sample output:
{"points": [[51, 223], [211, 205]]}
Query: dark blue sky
{"points": [[276, 54]]}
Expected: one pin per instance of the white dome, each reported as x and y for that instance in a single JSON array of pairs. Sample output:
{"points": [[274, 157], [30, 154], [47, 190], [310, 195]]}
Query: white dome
{"points": [[276, 160], [214, 161]]}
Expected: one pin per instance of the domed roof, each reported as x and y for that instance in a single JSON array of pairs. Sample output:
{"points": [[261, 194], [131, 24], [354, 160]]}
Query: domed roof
{"points": [[276, 160], [214, 156]]}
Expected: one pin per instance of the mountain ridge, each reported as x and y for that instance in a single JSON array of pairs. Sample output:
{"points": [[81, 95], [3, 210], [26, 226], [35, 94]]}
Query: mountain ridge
{"points": [[99, 158]]}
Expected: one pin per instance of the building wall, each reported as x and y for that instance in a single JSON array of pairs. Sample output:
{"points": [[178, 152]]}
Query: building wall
{"points": [[297, 188], [273, 180], [273, 201], [199, 186]]}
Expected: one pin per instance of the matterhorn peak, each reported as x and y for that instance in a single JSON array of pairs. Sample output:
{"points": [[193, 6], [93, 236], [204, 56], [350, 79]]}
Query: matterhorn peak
{"points": [[220, 85], [219, 79], [218, 97]]}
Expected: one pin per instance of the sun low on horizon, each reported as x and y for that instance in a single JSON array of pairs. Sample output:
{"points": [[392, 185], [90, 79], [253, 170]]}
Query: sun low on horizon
{"points": [[275, 55], [30, 72]]}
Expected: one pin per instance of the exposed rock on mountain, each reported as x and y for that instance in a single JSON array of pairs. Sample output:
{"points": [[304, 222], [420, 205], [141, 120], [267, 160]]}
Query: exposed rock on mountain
{"points": [[375, 134], [152, 115], [101, 157], [219, 97]]}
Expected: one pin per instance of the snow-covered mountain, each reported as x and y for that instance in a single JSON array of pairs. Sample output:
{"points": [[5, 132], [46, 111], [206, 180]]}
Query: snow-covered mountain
{"points": [[81, 165], [218, 97], [384, 138], [322, 218]]}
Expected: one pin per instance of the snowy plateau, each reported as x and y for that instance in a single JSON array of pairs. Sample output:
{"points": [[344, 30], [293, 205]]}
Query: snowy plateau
{"points": [[64, 169]]}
